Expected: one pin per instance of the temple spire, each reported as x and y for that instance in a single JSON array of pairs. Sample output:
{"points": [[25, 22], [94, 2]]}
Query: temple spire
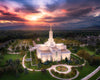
{"points": [[50, 28], [50, 41]]}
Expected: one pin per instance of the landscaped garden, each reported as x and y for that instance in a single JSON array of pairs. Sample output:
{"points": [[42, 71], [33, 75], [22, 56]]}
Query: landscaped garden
{"points": [[37, 64], [6, 61], [61, 68], [65, 76]]}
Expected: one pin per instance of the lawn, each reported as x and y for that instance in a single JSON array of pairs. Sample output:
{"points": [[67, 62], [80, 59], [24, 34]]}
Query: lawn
{"points": [[28, 65], [10, 56], [84, 71], [80, 61], [95, 76], [30, 76], [90, 52]]}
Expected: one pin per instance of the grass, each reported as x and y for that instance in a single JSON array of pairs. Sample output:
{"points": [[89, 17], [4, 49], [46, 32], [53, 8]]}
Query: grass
{"points": [[95, 76], [90, 52], [10, 56], [28, 65], [84, 71], [29, 76], [81, 61]]}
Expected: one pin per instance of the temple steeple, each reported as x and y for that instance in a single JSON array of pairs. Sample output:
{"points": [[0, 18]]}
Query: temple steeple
{"points": [[50, 33], [50, 41]]}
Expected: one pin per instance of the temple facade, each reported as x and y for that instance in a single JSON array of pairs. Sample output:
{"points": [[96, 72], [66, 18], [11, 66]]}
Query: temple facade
{"points": [[50, 51]]}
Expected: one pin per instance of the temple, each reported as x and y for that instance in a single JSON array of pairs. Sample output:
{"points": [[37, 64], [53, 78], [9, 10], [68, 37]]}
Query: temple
{"points": [[50, 51]]}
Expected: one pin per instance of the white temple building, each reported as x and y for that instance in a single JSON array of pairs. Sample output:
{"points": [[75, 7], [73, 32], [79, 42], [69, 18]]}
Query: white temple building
{"points": [[50, 51]]}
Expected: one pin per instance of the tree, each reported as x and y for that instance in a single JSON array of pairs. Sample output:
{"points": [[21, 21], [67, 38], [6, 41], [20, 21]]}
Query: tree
{"points": [[39, 65], [22, 52], [97, 51], [17, 48], [27, 47], [84, 54], [23, 47], [66, 59]]}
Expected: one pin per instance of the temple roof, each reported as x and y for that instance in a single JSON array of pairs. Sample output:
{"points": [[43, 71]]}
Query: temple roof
{"points": [[45, 51], [65, 51]]}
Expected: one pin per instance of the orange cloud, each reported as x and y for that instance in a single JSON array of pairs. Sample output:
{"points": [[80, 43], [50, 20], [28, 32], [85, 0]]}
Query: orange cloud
{"points": [[64, 10]]}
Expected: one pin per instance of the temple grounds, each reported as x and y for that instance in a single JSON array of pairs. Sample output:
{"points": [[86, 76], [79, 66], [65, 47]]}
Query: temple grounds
{"points": [[19, 48]]}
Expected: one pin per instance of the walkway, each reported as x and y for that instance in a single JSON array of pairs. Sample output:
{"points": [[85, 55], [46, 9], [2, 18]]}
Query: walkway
{"points": [[91, 74], [23, 64], [62, 78], [81, 64], [54, 68], [13, 53]]}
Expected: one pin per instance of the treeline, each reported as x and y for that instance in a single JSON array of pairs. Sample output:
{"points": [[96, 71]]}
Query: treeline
{"points": [[18, 34], [8, 35], [93, 60]]}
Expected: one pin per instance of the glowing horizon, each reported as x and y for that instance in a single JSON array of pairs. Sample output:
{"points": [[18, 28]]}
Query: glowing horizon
{"points": [[64, 13]]}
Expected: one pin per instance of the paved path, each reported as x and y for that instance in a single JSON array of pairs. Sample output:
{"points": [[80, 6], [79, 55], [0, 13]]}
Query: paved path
{"points": [[23, 64], [54, 68], [63, 78], [13, 53], [91, 74], [81, 64]]}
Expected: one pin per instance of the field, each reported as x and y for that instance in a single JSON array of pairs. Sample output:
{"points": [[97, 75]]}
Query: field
{"points": [[29, 76], [11, 56]]}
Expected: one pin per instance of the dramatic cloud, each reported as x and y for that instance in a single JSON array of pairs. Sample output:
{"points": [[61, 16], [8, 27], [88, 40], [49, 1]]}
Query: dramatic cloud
{"points": [[11, 18], [43, 12], [5, 13], [80, 12]]}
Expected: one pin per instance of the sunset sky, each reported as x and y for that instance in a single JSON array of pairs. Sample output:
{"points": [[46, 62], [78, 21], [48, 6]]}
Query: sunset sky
{"points": [[38, 14]]}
